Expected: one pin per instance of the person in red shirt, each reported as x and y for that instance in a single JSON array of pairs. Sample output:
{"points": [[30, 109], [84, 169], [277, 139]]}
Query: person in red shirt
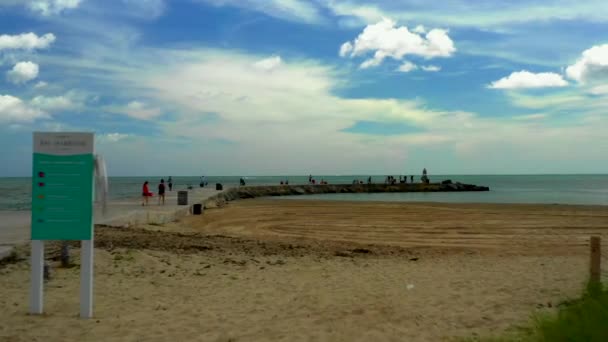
{"points": [[145, 193]]}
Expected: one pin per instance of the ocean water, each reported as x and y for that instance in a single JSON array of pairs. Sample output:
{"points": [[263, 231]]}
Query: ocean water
{"points": [[548, 189]]}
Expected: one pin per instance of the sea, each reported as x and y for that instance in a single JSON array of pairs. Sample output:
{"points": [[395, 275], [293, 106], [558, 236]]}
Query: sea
{"points": [[15, 193]]}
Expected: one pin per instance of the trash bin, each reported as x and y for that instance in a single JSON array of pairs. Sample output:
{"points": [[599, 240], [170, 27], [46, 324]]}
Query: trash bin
{"points": [[197, 209], [218, 186], [182, 197]]}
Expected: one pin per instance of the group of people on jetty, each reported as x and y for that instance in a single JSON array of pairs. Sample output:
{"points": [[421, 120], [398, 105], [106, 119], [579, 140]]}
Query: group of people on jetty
{"points": [[390, 180], [313, 181], [146, 193]]}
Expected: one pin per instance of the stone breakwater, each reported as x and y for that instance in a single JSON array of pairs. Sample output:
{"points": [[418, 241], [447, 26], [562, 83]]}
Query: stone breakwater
{"points": [[244, 192]]}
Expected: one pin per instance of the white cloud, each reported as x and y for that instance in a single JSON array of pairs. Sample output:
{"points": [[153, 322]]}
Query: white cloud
{"points": [[571, 100], [384, 39], [526, 79], [419, 29], [370, 63], [407, 67], [431, 68], [52, 103], [269, 64], [468, 13], [345, 49], [592, 65], [296, 112], [23, 72], [293, 10], [140, 110], [112, 137], [599, 90], [41, 84], [26, 41], [225, 83], [52, 7], [13, 109], [531, 117]]}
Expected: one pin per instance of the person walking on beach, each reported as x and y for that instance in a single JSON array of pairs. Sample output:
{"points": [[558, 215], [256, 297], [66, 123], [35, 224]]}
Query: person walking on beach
{"points": [[170, 181], [145, 193], [161, 191]]}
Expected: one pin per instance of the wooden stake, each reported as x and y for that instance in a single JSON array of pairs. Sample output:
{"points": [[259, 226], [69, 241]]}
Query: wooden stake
{"points": [[65, 255], [595, 261]]}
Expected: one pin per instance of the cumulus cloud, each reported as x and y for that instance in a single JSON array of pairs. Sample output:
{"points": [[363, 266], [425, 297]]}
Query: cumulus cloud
{"points": [[23, 72], [13, 109], [592, 65], [140, 110], [385, 39], [525, 79], [52, 7], [419, 29], [431, 68], [407, 67], [345, 49], [26, 41], [269, 64]]}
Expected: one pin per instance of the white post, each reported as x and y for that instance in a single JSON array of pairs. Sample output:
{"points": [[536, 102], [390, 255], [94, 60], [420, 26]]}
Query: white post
{"points": [[86, 279], [37, 286]]}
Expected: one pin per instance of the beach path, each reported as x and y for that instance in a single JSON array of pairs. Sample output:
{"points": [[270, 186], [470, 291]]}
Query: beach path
{"points": [[15, 225]]}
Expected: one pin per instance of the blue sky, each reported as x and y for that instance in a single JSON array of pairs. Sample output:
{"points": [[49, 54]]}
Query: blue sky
{"points": [[253, 87]]}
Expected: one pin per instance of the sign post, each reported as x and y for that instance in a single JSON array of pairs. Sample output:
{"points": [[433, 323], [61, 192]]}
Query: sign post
{"points": [[62, 207]]}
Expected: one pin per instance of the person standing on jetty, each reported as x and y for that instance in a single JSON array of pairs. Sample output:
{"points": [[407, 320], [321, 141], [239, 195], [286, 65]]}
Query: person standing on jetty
{"points": [[161, 191], [145, 193], [170, 181]]}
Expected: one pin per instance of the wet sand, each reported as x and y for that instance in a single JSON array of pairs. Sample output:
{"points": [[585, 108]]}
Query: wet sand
{"points": [[276, 270]]}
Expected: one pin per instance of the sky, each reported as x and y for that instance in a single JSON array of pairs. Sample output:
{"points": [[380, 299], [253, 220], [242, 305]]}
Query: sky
{"points": [[294, 87]]}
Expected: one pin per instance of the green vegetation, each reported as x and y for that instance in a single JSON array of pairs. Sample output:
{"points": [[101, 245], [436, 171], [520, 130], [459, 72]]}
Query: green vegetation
{"points": [[585, 319]]}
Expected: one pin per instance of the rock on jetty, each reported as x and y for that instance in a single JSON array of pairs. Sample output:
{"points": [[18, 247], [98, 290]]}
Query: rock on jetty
{"points": [[289, 190]]}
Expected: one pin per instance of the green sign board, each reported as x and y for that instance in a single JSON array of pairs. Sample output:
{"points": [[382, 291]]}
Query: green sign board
{"points": [[62, 186]]}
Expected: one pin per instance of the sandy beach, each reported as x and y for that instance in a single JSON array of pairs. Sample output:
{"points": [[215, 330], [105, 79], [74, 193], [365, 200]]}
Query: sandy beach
{"points": [[286, 270]]}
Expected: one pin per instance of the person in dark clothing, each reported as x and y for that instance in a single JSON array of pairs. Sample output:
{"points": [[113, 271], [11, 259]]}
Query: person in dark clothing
{"points": [[411, 179], [161, 192], [170, 181]]}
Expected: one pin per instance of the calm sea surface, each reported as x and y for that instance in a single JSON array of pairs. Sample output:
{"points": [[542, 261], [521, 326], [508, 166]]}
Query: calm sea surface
{"points": [[562, 189]]}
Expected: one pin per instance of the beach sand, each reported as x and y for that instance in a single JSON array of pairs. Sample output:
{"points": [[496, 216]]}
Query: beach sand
{"points": [[283, 270]]}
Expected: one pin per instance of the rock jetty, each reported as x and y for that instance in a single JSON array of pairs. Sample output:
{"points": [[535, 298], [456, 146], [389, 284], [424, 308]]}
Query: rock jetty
{"points": [[244, 192]]}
